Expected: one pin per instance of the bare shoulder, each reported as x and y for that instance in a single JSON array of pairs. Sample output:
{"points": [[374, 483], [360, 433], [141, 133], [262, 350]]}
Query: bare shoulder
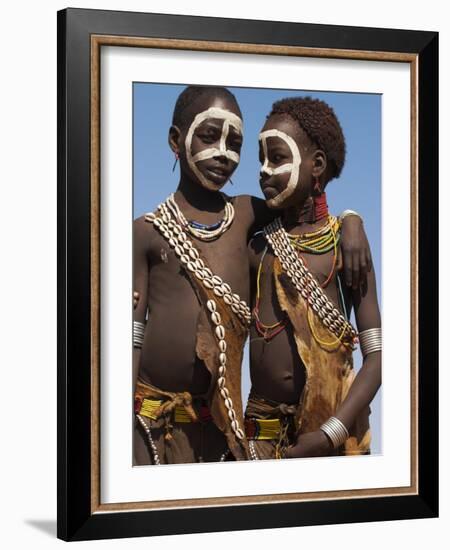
{"points": [[143, 233], [255, 211], [242, 204], [249, 203]]}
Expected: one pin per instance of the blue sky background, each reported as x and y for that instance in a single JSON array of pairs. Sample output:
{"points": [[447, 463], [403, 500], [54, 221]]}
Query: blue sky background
{"points": [[358, 187]]}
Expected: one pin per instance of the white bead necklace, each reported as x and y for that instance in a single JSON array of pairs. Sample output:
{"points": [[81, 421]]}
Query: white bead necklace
{"points": [[198, 230]]}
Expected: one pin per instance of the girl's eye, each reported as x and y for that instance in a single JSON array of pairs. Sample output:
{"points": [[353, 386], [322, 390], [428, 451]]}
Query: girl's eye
{"points": [[208, 135], [235, 145]]}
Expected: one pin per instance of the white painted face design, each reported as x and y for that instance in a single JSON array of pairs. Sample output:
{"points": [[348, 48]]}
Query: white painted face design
{"points": [[292, 167], [229, 119]]}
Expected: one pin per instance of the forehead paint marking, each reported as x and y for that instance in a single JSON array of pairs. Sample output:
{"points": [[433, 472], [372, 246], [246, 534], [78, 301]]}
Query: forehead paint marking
{"points": [[229, 119], [292, 167]]}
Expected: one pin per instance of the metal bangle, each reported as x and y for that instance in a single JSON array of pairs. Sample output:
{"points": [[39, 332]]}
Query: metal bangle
{"points": [[335, 430], [138, 334], [370, 340]]}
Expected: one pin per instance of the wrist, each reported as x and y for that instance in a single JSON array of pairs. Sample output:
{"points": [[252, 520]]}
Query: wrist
{"points": [[326, 442], [336, 431], [138, 334]]}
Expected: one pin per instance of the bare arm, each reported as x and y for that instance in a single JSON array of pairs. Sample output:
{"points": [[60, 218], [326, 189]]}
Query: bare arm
{"points": [[368, 379], [365, 384], [140, 281]]}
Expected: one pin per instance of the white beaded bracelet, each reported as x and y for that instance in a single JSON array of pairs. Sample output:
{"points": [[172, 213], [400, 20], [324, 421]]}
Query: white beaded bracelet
{"points": [[335, 430], [138, 334]]}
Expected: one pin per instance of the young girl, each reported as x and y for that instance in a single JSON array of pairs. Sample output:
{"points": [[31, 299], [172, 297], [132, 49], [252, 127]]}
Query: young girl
{"points": [[191, 276], [305, 399]]}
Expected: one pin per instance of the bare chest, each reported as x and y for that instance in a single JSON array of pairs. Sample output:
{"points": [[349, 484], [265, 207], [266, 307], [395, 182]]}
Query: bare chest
{"points": [[225, 257], [323, 267]]}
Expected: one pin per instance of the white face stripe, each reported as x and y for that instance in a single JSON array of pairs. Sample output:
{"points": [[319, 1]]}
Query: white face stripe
{"points": [[293, 167], [265, 167], [230, 119]]}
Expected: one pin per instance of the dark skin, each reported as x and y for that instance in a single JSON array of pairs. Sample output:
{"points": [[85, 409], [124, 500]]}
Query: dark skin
{"points": [[167, 358], [276, 371]]}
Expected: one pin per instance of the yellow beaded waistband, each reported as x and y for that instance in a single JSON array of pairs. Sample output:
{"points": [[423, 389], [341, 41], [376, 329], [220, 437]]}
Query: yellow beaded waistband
{"points": [[149, 408], [256, 428]]}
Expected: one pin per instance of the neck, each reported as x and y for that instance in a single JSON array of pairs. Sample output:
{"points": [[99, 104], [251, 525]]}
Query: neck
{"points": [[198, 197], [312, 210]]}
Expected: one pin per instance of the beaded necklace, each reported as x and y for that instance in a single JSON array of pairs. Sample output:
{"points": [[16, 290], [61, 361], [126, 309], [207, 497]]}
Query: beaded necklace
{"points": [[306, 284], [199, 230], [306, 242], [266, 331], [322, 240]]}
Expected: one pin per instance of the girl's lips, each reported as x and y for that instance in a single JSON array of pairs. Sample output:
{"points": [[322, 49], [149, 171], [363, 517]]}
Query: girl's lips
{"points": [[217, 174]]}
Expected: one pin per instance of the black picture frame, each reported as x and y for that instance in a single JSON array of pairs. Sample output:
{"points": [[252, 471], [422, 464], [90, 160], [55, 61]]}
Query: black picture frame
{"points": [[78, 518]]}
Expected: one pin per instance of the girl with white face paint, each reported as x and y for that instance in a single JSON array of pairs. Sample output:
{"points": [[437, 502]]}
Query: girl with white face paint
{"points": [[305, 400], [191, 277]]}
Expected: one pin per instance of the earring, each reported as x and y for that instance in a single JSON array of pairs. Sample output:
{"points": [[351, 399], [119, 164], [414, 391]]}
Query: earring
{"points": [[177, 156], [319, 201], [317, 187]]}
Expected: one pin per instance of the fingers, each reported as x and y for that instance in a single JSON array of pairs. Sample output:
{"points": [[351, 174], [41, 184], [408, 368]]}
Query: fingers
{"points": [[368, 259], [355, 270], [348, 262], [135, 299], [357, 264], [339, 262], [363, 269]]}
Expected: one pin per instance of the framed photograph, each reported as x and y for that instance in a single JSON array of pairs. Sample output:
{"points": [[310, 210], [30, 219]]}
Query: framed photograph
{"points": [[139, 97]]}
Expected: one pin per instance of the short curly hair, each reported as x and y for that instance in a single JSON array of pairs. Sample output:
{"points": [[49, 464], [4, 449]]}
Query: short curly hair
{"points": [[181, 116], [321, 125]]}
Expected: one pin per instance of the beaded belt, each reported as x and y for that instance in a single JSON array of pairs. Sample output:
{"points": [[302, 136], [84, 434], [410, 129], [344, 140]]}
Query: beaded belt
{"points": [[149, 407], [256, 428]]}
